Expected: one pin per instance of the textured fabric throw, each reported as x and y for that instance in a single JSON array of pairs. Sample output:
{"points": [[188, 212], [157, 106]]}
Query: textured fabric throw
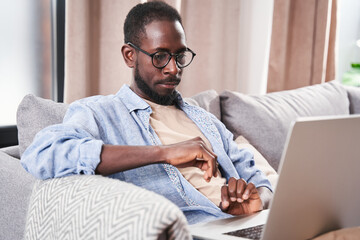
{"points": [[96, 207]]}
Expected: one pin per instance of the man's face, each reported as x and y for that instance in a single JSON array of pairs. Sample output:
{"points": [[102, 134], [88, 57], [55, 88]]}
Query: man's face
{"points": [[155, 84]]}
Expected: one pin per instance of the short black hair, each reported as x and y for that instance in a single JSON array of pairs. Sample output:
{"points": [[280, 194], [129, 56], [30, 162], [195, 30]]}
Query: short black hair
{"points": [[143, 14]]}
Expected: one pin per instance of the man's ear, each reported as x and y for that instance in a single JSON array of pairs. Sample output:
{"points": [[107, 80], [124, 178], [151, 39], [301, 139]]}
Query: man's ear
{"points": [[129, 55]]}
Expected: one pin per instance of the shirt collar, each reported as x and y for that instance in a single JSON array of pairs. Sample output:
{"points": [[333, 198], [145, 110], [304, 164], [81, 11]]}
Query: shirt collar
{"points": [[134, 102]]}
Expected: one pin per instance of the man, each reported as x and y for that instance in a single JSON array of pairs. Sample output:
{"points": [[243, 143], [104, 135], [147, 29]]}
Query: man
{"points": [[147, 135]]}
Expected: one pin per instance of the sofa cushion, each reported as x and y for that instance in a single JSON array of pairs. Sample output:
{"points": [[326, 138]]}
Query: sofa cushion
{"points": [[15, 191], [35, 113], [354, 98], [265, 119]]}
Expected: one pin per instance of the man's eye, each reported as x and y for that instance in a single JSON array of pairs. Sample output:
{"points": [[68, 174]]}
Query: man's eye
{"points": [[181, 58], [161, 57]]}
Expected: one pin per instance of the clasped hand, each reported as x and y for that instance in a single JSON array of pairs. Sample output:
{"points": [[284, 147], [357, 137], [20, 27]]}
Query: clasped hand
{"points": [[240, 197], [194, 153]]}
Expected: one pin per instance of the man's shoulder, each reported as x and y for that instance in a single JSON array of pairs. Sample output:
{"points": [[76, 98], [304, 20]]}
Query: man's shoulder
{"points": [[94, 102], [103, 99], [96, 99]]}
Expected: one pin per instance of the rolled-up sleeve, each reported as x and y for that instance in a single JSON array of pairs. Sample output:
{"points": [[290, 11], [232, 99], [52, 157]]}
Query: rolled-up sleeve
{"points": [[243, 160], [73, 147]]}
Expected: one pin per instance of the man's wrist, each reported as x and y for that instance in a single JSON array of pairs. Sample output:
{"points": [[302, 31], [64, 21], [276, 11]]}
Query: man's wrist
{"points": [[161, 153]]}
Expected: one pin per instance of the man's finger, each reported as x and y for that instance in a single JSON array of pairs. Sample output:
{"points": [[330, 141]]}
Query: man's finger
{"points": [[241, 184], [248, 191], [225, 202], [206, 166], [211, 166], [212, 157], [232, 189]]}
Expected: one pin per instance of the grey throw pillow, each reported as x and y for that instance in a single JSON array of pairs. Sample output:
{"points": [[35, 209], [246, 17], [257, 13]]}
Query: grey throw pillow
{"points": [[35, 113], [265, 119], [354, 98]]}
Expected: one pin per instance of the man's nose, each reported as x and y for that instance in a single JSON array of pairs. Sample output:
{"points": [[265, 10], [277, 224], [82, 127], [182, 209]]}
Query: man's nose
{"points": [[171, 67]]}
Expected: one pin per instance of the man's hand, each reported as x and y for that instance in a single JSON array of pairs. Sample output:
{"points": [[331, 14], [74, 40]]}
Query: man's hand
{"points": [[239, 197], [116, 158], [192, 153]]}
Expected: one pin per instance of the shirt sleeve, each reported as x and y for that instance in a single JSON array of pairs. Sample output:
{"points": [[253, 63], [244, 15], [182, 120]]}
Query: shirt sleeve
{"points": [[73, 147], [242, 159]]}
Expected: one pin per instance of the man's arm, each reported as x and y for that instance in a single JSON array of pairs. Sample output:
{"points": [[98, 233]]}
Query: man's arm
{"points": [[62, 150], [189, 153], [76, 147]]}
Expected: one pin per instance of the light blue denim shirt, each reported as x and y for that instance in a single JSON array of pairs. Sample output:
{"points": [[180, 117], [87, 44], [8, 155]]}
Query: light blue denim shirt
{"points": [[74, 147]]}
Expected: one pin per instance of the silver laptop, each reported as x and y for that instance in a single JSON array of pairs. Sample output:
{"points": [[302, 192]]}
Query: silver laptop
{"points": [[318, 188]]}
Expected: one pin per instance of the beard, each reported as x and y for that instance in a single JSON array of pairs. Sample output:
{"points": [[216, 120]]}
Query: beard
{"points": [[154, 96]]}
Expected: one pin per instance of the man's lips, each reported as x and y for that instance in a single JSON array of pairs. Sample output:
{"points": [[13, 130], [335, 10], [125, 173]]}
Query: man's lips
{"points": [[169, 84]]}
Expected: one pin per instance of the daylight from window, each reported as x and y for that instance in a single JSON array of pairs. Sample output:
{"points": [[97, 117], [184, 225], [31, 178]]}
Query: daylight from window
{"points": [[25, 65]]}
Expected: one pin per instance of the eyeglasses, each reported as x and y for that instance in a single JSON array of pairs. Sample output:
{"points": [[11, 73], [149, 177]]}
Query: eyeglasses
{"points": [[161, 58]]}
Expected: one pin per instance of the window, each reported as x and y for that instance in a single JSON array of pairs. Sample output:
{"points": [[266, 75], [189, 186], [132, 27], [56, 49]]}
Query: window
{"points": [[25, 59], [32, 36], [347, 36]]}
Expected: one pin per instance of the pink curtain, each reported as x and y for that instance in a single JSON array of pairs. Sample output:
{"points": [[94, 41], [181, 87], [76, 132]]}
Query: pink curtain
{"points": [[303, 43], [94, 64], [93, 40]]}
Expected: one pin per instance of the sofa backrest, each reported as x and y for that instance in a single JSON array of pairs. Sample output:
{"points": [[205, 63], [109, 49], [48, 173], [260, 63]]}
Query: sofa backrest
{"points": [[264, 120]]}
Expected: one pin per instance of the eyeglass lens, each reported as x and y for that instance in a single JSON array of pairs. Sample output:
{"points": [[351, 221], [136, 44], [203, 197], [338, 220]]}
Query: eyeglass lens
{"points": [[161, 59]]}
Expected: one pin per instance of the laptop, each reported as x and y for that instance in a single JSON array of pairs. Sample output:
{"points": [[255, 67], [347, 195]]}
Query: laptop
{"points": [[318, 187]]}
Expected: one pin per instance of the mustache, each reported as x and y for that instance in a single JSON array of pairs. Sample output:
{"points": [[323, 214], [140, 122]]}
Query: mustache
{"points": [[174, 80]]}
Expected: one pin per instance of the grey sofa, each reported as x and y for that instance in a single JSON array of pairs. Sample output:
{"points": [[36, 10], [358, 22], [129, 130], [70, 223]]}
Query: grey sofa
{"points": [[85, 207]]}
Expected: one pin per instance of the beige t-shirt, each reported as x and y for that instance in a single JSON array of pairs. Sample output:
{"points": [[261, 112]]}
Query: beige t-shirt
{"points": [[172, 125]]}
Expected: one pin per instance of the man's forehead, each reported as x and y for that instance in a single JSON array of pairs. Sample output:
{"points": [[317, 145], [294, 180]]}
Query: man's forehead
{"points": [[164, 34]]}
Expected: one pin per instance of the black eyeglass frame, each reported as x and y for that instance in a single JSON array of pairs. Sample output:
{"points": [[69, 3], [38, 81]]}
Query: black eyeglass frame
{"points": [[171, 55]]}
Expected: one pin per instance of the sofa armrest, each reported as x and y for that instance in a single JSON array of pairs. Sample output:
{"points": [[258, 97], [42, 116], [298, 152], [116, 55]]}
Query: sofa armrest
{"points": [[15, 191], [96, 207], [12, 151]]}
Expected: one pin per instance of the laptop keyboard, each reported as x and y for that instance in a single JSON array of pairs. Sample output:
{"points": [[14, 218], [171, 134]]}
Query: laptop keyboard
{"points": [[251, 233]]}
